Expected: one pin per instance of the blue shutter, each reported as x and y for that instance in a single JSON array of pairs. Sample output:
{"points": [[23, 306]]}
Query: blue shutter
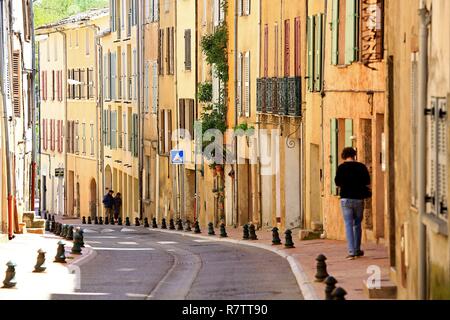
{"points": [[333, 154], [351, 31], [335, 33], [310, 72], [319, 55]]}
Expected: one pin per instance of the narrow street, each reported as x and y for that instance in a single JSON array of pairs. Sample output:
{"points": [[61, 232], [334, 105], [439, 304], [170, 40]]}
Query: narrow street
{"points": [[136, 263]]}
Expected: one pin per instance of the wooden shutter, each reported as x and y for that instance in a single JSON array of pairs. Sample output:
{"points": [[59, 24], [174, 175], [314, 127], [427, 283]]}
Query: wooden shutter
{"points": [[287, 49], [335, 32], [16, 83], [105, 127], [42, 85], [247, 84], [155, 87], [191, 117], [276, 50], [333, 154], [442, 158], [348, 132], [181, 113], [172, 52], [113, 131], [239, 84], [162, 131], [169, 130], [239, 8], [156, 10], [73, 136], [53, 85], [266, 51], [187, 49], [319, 56], [351, 26], [372, 30], [431, 185], [146, 86], [297, 47], [58, 135], [135, 73], [246, 7], [44, 134], [311, 50], [68, 136]]}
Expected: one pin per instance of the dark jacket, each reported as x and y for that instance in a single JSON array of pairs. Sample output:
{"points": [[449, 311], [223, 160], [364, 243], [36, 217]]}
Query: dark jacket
{"points": [[117, 204], [352, 178], [108, 201]]}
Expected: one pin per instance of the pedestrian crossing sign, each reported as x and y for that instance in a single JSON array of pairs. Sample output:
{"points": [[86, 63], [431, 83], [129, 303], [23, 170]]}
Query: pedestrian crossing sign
{"points": [[177, 157]]}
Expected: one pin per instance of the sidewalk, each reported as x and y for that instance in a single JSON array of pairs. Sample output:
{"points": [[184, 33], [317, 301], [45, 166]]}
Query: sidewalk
{"points": [[38, 286], [349, 274]]}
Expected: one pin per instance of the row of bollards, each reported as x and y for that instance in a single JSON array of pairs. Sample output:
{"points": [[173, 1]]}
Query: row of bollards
{"points": [[331, 292], [65, 231]]}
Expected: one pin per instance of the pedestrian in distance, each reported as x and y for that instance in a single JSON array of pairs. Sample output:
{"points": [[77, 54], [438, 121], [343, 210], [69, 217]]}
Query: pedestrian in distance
{"points": [[117, 206], [353, 180], [108, 202]]}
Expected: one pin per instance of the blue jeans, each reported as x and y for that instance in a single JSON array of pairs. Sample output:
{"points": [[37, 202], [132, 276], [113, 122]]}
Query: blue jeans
{"points": [[353, 211]]}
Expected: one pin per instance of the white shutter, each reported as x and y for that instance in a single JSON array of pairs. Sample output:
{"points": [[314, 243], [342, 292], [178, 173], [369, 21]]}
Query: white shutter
{"points": [[215, 85], [216, 13], [156, 10], [151, 11], [221, 11], [431, 159], [124, 77], [146, 86], [240, 7], [246, 7], [134, 74], [166, 5], [155, 87], [442, 174], [239, 84], [247, 84]]}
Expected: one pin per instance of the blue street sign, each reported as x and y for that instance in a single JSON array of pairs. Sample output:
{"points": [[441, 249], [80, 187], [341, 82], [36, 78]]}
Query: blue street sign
{"points": [[177, 157]]}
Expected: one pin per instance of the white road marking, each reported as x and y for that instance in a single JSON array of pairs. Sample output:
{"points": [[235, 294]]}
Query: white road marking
{"points": [[124, 249], [202, 240], [126, 269], [106, 230], [104, 237], [130, 243], [136, 295], [89, 231], [127, 230], [93, 242], [167, 242]]}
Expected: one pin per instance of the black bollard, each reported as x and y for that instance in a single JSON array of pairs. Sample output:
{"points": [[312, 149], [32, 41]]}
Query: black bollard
{"points": [[52, 226], [47, 225], [112, 221], [45, 215], [70, 233], [60, 253], [146, 225], [197, 227], [288, 243], [81, 233], [154, 224], [223, 232], [171, 224], [10, 277], [188, 226], [100, 220], [127, 221], [76, 248], [179, 225], [246, 235], [252, 231], [163, 223], [275, 237], [40, 262], [119, 221], [53, 217], [55, 229], [321, 268], [84, 220], [96, 220], [136, 222], [106, 220], [338, 294], [330, 286], [64, 231], [89, 220], [211, 231]]}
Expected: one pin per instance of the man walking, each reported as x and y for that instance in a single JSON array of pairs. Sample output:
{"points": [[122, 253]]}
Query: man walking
{"points": [[353, 179], [108, 202]]}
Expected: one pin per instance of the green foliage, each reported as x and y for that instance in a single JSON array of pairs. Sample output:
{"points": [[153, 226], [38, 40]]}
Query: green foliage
{"points": [[49, 11], [214, 46], [244, 127], [204, 92]]}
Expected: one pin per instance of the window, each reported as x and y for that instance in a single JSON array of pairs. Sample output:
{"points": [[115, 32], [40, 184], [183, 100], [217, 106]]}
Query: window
{"points": [[26, 19], [113, 132], [186, 114], [154, 87], [135, 85], [219, 12], [413, 115], [82, 85], [16, 83], [165, 132], [52, 135], [44, 134], [187, 50], [87, 41], [55, 48], [113, 76], [243, 7], [124, 131], [47, 45], [437, 170], [287, 49], [90, 83], [76, 38], [246, 93], [161, 52], [147, 178], [92, 140], [77, 138], [341, 134], [69, 137], [53, 85], [151, 11], [146, 86], [83, 126], [315, 54], [166, 6]]}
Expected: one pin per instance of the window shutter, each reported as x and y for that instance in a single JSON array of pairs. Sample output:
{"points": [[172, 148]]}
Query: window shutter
{"points": [[216, 12], [319, 56], [123, 76], [190, 117], [155, 87], [287, 54], [351, 31], [348, 132], [335, 32], [247, 84], [68, 136], [297, 52], [52, 135], [162, 131], [42, 85], [58, 135], [333, 154], [16, 83], [187, 49], [442, 159], [146, 86], [246, 7], [135, 135], [311, 31], [181, 113], [239, 84], [53, 85], [169, 131], [104, 127], [45, 87], [73, 136], [216, 85], [239, 8], [432, 133], [44, 134], [151, 13], [266, 51], [276, 50], [113, 76], [135, 85], [171, 57], [113, 129], [156, 10]]}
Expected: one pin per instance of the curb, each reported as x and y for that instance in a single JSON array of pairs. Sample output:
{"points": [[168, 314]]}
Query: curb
{"points": [[305, 286], [86, 257]]}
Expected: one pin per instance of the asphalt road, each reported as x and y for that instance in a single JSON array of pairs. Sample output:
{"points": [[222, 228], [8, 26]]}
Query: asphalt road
{"points": [[136, 263]]}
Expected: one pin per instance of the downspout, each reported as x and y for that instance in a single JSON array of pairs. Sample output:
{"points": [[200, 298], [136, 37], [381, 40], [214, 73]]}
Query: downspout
{"points": [[141, 111], [195, 110], [100, 142], [65, 118], [236, 171], [258, 156], [6, 133], [425, 20], [177, 117], [33, 112]]}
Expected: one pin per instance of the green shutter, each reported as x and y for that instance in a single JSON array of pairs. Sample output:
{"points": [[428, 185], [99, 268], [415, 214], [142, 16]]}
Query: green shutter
{"points": [[348, 132], [351, 31], [310, 53], [318, 53], [335, 33], [133, 130], [333, 154], [136, 129], [105, 127]]}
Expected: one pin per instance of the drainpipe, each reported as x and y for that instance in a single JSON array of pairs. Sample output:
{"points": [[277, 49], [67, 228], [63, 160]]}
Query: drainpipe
{"points": [[258, 156], [6, 133], [33, 112], [141, 111], [236, 171], [425, 20]]}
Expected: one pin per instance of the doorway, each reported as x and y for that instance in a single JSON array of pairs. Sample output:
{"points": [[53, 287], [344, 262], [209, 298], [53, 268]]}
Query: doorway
{"points": [[93, 199]]}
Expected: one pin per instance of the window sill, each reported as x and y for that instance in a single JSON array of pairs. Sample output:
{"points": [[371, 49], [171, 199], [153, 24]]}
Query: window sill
{"points": [[436, 225]]}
